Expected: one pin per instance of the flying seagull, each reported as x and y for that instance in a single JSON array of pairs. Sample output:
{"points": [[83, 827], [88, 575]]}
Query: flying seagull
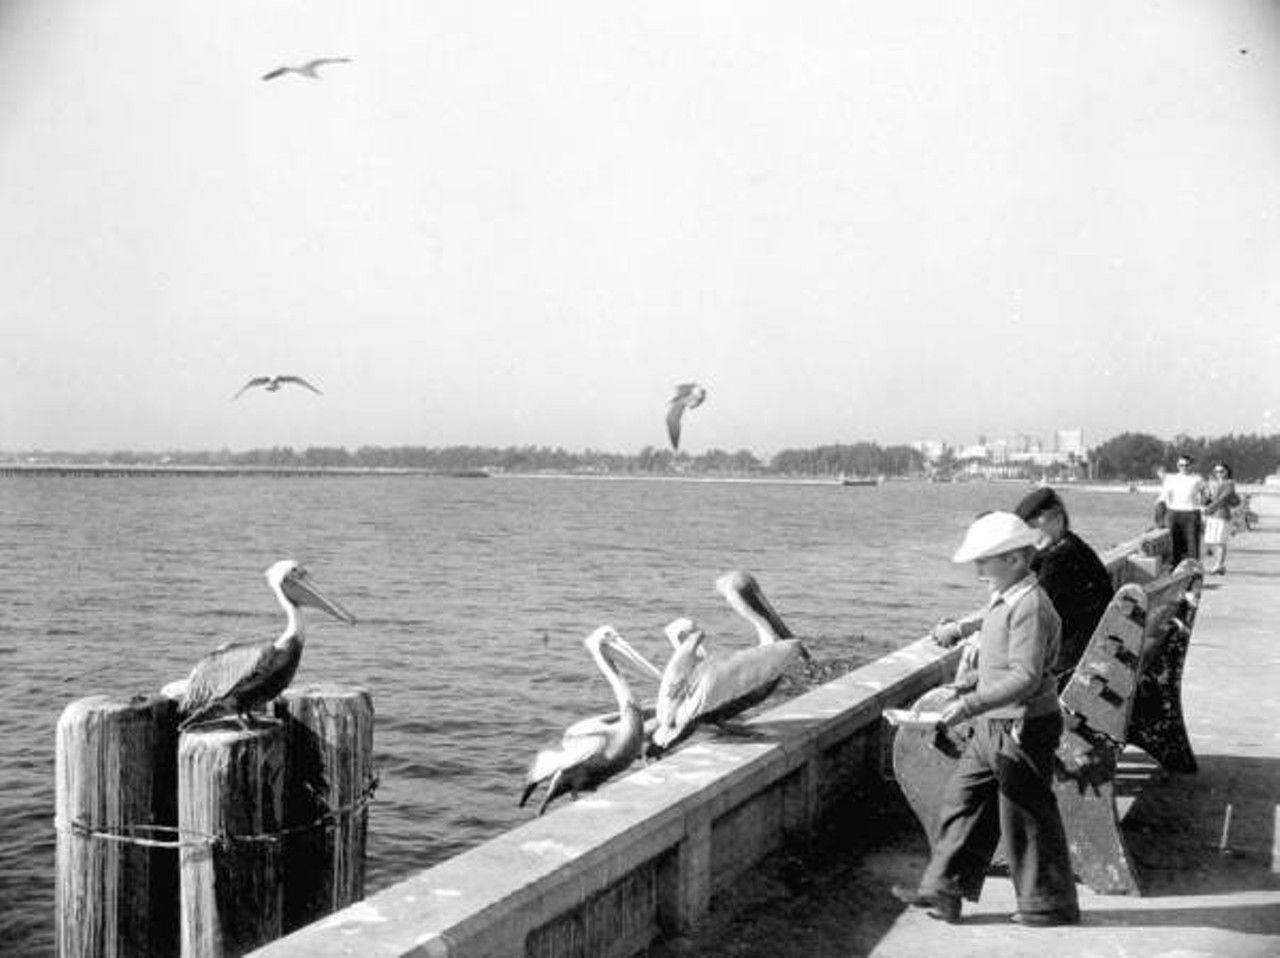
{"points": [[273, 384], [688, 396], [308, 69]]}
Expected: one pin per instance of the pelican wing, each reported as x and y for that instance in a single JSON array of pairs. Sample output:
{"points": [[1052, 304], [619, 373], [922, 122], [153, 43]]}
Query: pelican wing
{"points": [[573, 758], [673, 423], [718, 687], [606, 722], [300, 381], [688, 396], [227, 671], [573, 750], [255, 381], [747, 677], [682, 692], [278, 71], [321, 61]]}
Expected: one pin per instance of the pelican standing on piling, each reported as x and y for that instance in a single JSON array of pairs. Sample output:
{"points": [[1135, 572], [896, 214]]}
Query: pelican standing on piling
{"points": [[593, 750], [237, 677], [698, 686]]}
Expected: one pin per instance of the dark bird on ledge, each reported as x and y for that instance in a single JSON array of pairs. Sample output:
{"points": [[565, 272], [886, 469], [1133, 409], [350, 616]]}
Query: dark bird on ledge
{"points": [[237, 677], [273, 384], [309, 69], [688, 396], [594, 749]]}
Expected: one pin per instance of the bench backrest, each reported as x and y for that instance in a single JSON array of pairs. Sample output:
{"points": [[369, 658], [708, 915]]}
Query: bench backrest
{"points": [[1129, 649]]}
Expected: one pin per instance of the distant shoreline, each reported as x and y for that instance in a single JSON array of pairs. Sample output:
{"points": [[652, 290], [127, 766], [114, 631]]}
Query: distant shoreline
{"points": [[110, 470], [114, 471]]}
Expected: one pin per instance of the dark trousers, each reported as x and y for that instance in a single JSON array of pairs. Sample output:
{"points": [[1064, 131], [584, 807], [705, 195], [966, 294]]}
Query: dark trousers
{"points": [[1185, 528], [1003, 787]]}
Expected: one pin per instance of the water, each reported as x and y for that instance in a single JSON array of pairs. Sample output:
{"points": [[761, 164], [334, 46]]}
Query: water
{"points": [[473, 597]]}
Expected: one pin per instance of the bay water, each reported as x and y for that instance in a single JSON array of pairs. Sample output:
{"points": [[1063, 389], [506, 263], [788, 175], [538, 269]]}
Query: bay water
{"points": [[472, 597]]}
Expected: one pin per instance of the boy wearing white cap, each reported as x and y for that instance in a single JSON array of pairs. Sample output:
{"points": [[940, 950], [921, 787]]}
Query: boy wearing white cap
{"points": [[1003, 784]]}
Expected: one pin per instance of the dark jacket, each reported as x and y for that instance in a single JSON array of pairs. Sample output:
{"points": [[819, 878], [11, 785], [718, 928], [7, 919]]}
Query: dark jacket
{"points": [[1079, 587], [1222, 497]]}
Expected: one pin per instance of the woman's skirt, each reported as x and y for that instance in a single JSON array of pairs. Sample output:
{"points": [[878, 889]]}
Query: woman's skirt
{"points": [[1216, 531]]}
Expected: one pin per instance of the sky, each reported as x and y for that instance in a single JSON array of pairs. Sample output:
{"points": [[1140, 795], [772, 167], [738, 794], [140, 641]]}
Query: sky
{"points": [[511, 223]]}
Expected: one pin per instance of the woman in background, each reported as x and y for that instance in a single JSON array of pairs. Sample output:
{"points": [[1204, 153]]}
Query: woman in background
{"points": [[1222, 498]]}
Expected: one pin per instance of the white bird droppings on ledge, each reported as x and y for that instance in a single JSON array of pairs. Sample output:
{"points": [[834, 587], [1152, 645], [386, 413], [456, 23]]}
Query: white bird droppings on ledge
{"points": [[721, 755], [353, 915], [548, 846], [646, 778], [596, 803]]}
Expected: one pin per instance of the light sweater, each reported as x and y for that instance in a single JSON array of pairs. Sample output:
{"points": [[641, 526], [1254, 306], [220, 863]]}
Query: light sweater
{"points": [[1017, 650], [1183, 491]]}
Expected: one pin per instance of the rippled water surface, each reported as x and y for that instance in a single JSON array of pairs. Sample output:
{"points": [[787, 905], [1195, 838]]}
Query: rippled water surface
{"points": [[473, 597]]}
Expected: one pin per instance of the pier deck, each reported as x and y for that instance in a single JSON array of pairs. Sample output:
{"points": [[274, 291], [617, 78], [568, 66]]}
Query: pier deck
{"points": [[1211, 877]]}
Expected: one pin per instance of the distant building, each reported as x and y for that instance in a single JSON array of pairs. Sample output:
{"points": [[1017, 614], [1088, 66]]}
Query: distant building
{"points": [[1069, 442], [1024, 443], [931, 449]]}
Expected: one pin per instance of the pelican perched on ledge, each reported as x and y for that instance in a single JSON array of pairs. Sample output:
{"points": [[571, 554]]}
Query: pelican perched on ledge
{"points": [[237, 677], [698, 686], [594, 749]]}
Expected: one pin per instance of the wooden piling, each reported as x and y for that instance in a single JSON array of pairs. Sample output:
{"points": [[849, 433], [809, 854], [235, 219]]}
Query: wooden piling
{"points": [[329, 784], [117, 869], [230, 814]]}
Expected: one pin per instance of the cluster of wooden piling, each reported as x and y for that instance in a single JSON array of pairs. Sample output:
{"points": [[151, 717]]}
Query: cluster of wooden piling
{"points": [[211, 841]]}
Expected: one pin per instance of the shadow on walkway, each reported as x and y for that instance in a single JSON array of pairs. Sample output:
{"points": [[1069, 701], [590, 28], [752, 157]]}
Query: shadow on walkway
{"points": [[1206, 833]]}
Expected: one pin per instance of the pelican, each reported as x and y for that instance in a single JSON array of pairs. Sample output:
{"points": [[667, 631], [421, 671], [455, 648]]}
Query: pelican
{"points": [[236, 677], [699, 687], [688, 396], [594, 749], [273, 384], [309, 69]]}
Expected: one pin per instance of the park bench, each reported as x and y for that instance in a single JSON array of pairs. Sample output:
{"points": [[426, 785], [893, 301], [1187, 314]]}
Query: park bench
{"points": [[1125, 691]]}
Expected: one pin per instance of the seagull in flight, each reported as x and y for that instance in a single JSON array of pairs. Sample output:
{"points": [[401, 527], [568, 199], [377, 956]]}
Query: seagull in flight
{"points": [[273, 384], [308, 69], [688, 396]]}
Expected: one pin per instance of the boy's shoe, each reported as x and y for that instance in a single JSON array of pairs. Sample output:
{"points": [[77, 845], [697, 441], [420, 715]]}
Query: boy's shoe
{"points": [[941, 907]]}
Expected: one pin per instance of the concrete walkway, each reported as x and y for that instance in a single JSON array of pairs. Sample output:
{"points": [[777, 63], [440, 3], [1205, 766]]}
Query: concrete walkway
{"points": [[1207, 844]]}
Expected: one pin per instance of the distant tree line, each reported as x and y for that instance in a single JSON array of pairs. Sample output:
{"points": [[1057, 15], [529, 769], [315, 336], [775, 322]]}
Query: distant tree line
{"points": [[1137, 456], [1128, 457]]}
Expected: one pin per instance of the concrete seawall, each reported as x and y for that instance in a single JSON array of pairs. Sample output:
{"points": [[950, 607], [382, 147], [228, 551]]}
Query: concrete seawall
{"points": [[642, 857]]}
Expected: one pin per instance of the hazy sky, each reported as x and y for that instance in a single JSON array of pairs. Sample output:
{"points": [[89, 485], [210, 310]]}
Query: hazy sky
{"points": [[524, 223]]}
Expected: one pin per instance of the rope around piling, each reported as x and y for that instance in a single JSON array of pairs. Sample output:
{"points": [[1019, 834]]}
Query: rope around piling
{"points": [[189, 838]]}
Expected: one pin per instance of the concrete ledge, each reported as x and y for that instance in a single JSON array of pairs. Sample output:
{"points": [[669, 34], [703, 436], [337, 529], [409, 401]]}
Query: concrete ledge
{"points": [[642, 856], [661, 819]]}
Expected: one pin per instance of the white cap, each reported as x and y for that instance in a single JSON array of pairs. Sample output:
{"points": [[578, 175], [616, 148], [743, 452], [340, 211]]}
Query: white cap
{"points": [[995, 533]]}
